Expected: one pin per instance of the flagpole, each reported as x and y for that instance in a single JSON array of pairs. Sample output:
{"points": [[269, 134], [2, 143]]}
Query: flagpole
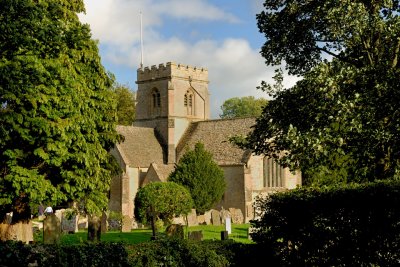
{"points": [[141, 41]]}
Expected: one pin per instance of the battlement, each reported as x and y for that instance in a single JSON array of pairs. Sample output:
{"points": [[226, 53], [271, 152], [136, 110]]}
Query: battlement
{"points": [[171, 69]]}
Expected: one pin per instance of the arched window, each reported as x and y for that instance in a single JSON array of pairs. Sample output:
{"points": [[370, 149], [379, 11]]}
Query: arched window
{"points": [[188, 102], [156, 102], [273, 174]]}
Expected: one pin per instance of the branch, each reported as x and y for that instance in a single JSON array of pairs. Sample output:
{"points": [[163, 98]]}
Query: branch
{"points": [[396, 53]]}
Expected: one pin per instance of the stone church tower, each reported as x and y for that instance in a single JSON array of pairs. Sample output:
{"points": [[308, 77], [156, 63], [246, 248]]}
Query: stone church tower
{"points": [[169, 98]]}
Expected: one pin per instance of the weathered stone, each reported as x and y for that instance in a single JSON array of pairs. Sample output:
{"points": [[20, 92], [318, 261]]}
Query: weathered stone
{"points": [[224, 214], [201, 219], [236, 216], [179, 220], [83, 222], [94, 228], [175, 230], [69, 222], [126, 224], [196, 235], [207, 217], [104, 223], [192, 218], [51, 229], [215, 217], [22, 231]]}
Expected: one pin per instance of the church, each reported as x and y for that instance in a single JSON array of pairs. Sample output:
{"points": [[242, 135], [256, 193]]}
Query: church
{"points": [[173, 114]]}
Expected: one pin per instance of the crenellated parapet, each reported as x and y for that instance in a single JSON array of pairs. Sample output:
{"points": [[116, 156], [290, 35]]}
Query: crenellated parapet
{"points": [[172, 70]]}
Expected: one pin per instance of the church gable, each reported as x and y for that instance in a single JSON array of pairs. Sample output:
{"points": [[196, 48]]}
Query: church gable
{"points": [[215, 134], [140, 146]]}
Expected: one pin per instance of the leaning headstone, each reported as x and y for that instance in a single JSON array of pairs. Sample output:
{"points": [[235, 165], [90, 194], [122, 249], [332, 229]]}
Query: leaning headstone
{"points": [[104, 223], [175, 230], [236, 216], [192, 218], [51, 229], [228, 227], [196, 235], [207, 217], [94, 228], [126, 224], [215, 217]]}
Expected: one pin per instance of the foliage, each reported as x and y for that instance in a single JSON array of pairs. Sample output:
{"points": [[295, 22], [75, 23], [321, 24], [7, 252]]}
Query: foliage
{"points": [[340, 122], [198, 172], [247, 106], [57, 112], [356, 225], [165, 200], [125, 104], [100, 254], [174, 252]]}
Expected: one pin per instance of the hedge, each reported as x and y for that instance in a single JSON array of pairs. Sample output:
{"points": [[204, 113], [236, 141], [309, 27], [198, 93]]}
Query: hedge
{"points": [[356, 225]]}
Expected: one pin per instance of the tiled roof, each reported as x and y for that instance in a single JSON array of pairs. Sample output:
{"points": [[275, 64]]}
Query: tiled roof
{"points": [[163, 171], [214, 134], [140, 147]]}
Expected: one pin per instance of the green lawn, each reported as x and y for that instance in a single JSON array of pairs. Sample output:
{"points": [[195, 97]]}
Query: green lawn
{"points": [[239, 234]]}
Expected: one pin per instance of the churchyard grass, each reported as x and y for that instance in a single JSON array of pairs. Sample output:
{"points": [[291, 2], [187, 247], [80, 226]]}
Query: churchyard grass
{"points": [[210, 232]]}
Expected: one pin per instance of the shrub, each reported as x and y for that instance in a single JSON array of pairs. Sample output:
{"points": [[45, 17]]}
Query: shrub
{"points": [[356, 225]]}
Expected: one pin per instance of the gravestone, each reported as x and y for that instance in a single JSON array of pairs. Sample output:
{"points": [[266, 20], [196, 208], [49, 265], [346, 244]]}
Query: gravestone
{"points": [[215, 217], [228, 227], [69, 223], [236, 216], [51, 229], [192, 218], [207, 217], [224, 235], [196, 235], [224, 214], [94, 228], [126, 224], [175, 230], [104, 223], [201, 219], [83, 222]]}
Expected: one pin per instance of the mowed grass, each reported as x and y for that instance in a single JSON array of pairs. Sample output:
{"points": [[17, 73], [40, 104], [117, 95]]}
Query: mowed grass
{"points": [[210, 232]]}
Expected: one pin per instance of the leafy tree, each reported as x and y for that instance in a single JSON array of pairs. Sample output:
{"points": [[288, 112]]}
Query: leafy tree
{"points": [[237, 107], [342, 118], [165, 200], [204, 179], [57, 117], [125, 104]]}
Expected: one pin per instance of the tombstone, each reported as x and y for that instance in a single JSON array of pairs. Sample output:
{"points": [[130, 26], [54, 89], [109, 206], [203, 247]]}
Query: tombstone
{"points": [[192, 218], [196, 235], [236, 216], [224, 235], [126, 224], [51, 229], [215, 217], [69, 224], [207, 217], [104, 223], [228, 227], [201, 219], [224, 214], [175, 231], [83, 222], [94, 228]]}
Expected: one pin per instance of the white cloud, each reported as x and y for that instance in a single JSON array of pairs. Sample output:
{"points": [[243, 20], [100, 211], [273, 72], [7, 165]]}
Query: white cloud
{"points": [[235, 69]]}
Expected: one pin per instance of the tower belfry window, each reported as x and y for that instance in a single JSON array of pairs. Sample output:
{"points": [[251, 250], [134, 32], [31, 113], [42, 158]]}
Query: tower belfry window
{"points": [[188, 102], [155, 102]]}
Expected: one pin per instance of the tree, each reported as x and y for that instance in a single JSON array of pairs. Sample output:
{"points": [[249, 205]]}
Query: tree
{"points": [[57, 110], [125, 105], [342, 118], [242, 107], [165, 199], [204, 179]]}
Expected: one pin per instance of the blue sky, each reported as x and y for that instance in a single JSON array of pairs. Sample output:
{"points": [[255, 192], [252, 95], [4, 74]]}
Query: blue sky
{"points": [[220, 35]]}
